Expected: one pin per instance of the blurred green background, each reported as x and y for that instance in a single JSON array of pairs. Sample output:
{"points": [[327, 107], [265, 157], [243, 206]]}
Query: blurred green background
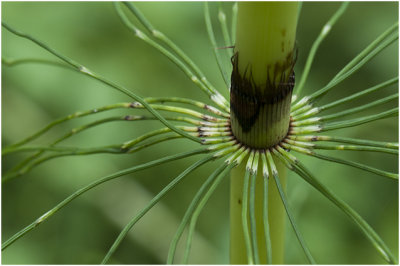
{"points": [[92, 34]]}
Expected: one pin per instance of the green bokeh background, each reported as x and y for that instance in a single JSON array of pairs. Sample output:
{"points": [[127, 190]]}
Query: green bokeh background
{"points": [[92, 34]]}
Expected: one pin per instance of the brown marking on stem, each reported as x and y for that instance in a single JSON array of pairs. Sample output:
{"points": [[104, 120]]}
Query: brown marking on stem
{"points": [[247, 98]]}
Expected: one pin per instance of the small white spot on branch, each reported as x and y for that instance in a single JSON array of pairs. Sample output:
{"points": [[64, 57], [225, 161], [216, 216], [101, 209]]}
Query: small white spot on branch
{"points": [[85, 70], [43, 217], [326, 29]]}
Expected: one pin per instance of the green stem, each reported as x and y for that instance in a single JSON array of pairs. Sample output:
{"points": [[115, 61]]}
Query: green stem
{"points": [[261, 91], [263, 78]]}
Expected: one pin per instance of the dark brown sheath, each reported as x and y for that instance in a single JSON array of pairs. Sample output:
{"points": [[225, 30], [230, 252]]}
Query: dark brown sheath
{"points": [[260, 114]]}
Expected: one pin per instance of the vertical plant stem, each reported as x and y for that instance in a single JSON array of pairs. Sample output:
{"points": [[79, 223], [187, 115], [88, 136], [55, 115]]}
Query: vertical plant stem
{"points": [[262, 83], [263, 78]]}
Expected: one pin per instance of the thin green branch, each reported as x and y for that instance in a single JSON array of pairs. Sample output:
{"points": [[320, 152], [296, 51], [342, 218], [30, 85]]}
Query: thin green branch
{"points": [[341, 161], [214, 95], [112, 149], [301, 121], [252, 212], [297, 105], [181, 110], [359, 121], [30, 164], [360, 108], [305, 130], [235, 159], [153, 142], [199, 104], [377, 87], [285, 204], [79, 129], [103, 80], [234, 20], [200, 207], [151, 204], [197, 131], [191, 208], [340, 147], [14, 148], [302, 106], [17, 147], [200, 77], [371, 235], [312, 125], [268, 245], [214, 45], [387, 38], [125, 148], [324, 32], [392, 31], [359, 166], [246, 232], [15, 62], [307, 111], [15, 171], [217, 140], [56, 149], [74, 131], [132, 118], [295, 122], [299, 11], [131, 143], [390, 145], [79, 192], [225, 32], [67, 118]]}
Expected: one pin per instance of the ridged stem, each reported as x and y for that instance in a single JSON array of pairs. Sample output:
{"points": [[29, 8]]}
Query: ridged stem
{"points": [[263, 78], [261, 89]]}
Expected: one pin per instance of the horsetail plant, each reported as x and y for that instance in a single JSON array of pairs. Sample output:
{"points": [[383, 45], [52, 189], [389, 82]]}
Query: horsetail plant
{"points": [[264, 131]]}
